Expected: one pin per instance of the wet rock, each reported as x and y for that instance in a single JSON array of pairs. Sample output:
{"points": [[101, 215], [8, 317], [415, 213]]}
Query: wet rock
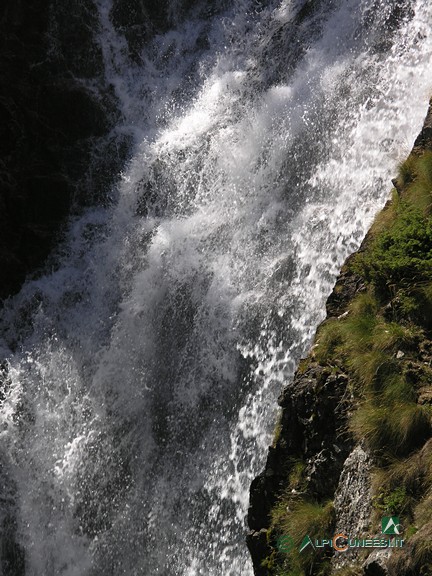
{"points": [[258, 547], [312, 430], [348, 285], [424, 139], [352, 498]]}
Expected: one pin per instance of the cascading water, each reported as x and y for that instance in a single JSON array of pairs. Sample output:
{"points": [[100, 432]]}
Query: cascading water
{"points": [[141, 375]]}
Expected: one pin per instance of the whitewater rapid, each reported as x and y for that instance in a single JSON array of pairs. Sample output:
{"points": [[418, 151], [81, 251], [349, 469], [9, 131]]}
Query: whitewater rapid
{"points": [[143, 368]]}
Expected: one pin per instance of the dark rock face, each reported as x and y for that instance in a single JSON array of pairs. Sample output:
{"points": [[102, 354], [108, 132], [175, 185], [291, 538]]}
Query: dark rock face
{"points": [[348, 286], [376, 563], [47, 122], [313, 429], [259, 548], [54, 151], [424, 139]]}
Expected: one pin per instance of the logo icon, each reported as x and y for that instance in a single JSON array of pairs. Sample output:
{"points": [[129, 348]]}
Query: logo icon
{"points": [[306, 542], [390, 525], [285, 544]]}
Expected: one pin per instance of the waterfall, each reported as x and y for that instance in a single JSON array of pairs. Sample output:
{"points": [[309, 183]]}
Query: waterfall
{"points": [[140, 372]]}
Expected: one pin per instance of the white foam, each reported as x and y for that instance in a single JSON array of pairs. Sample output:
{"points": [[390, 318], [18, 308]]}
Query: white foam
{"points": [[130, 394]]}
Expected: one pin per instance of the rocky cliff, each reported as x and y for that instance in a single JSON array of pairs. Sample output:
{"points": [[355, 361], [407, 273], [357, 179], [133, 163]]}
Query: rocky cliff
{"points": [[48, 122], [353, 443]]}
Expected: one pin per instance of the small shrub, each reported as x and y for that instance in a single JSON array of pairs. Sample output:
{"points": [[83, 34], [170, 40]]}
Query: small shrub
{"points": [[401, 249], [410, 531], [402, 254], [393, 502]]}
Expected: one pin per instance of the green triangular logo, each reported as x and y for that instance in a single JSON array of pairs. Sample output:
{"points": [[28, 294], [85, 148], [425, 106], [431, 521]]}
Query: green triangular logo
{"points": [[390, 525], [306, 542]]}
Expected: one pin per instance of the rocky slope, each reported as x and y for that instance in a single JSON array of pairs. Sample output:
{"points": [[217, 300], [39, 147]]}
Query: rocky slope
{"points": [[353, 443]]}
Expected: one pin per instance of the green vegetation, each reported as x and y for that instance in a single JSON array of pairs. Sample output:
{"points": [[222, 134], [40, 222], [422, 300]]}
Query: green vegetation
{"points": [[298, 517], [392, 503], [397, 268], [366, 345], [403, 254], [386, 323], [384, 345], [398, 260], [407, 171], [277, 430], [296, 476]]}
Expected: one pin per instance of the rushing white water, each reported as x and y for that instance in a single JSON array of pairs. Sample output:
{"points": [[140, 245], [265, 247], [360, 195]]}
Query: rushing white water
{"points": [[144, 370]]}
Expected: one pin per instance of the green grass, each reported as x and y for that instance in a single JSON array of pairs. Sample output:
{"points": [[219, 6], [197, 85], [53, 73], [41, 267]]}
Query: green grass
{"points": [[391, 336], [400, 251], [300, 517], [416, 557], [396, 428], [397, 390], [397, 268], [365, 345], [369, 368], [296, 476], [277, 430], [329, 339], [398, 487]]}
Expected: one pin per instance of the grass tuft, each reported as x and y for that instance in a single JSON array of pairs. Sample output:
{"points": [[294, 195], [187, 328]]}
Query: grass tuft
{"points": [[396, 428], [329, 338], [297, 518], [407, 171], [301, 517]]}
